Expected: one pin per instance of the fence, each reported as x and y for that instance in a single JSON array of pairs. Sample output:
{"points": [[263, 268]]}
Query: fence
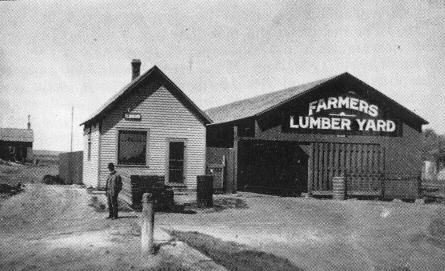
{"points": [[70, 167], [328, 160], [221, 165], [384, 185]]}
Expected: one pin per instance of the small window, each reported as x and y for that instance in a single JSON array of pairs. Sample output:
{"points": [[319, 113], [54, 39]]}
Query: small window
{"points": [[132, 147], [89, 146]]}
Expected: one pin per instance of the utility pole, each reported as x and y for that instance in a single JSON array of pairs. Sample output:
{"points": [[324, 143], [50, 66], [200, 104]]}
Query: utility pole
{"points": [[72, 119]]}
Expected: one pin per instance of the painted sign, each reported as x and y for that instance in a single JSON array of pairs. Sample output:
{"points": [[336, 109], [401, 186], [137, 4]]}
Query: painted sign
{"points": [[343, 115], [132, 116]]}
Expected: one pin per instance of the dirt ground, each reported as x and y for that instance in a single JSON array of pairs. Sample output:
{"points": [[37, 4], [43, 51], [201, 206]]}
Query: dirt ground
{"points": [[327, 234], [51, 227]]}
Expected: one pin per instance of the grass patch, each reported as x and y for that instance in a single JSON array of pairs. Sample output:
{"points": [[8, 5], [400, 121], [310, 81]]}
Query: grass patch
{"points": [[233, 256]]}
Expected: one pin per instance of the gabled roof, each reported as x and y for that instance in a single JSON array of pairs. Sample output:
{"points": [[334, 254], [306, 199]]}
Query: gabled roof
{"points": [[17, 135], [258, 104], [137, 82], [264, 103]]}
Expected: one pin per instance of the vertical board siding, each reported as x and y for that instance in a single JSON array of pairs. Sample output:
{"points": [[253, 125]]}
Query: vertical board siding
{"points": [[402, 153], [163, 117], [91, 167], [329, 160], [70, 167]]}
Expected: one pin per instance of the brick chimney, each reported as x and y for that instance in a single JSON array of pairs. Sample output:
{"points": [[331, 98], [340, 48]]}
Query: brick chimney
{"points": [[135, 68], [29, 122]]}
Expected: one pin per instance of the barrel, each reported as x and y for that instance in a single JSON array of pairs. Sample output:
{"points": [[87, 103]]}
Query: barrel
{"points": [[204, 191], [339, 188]]}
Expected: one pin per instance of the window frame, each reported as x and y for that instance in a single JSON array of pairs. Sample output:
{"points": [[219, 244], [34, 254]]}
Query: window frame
{"points": [[129, 129]]}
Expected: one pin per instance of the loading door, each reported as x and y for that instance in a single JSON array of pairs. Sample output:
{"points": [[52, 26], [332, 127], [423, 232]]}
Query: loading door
{"points": [[328, 160], [272, 167]]}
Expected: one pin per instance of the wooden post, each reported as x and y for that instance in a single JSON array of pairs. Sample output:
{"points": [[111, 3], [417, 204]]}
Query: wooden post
{"points": [[235, 163], [147, 225], [382, 186], [419, 187]]}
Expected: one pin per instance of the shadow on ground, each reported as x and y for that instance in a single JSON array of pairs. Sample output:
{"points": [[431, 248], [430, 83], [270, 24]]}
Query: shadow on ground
{"points": [[233, 256]]}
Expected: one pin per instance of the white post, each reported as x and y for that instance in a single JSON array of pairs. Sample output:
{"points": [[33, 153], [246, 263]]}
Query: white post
{"points": [[147, 226]]}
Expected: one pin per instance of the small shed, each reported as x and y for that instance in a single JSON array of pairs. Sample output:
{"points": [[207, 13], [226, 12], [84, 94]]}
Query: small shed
{"points": [[150, 127], [16, 144]]}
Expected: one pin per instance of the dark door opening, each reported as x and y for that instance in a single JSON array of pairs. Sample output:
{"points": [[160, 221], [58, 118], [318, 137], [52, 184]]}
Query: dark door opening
{"points": [[176, 162], [272, 167]]}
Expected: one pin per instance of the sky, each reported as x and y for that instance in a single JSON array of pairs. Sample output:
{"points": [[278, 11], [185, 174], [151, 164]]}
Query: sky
{"points": [[55, 55]]}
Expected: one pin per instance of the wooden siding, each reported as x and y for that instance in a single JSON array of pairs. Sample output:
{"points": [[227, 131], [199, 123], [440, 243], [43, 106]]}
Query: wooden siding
{"points": [[402, 153], [164, 117], [91, 167], [329, 160]]}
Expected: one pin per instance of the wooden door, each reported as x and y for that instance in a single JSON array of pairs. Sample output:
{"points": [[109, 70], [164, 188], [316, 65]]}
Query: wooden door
{"points": [[176, 162]]}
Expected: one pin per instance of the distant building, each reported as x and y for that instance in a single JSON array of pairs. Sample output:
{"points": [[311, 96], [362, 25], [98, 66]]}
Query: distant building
{"points": [[150, 127], [16, 144]]}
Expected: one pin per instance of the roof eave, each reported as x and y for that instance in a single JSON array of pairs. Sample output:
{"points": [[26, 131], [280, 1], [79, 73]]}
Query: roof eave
{"points": [[421, 120], [201, 114], [124, 90]]}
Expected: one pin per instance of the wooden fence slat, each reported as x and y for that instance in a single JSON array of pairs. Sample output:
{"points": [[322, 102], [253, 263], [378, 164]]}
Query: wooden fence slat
{"points": [[331, 166], [333, 159]]}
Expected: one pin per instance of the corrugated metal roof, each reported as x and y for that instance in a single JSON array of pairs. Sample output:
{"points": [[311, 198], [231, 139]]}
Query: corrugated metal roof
{"points": [[16, 134], [132, 85], [253, 106]]}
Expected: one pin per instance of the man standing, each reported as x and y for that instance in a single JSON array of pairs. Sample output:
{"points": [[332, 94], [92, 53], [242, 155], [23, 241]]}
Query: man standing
{"points": [[113, 187]]}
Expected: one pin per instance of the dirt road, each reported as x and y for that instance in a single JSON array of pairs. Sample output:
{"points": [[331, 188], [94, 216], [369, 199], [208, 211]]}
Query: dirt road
{"points": [[53, 228], [326, 234]]}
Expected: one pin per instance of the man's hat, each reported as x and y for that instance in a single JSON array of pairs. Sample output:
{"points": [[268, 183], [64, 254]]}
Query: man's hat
{"points": [[110, 166]]}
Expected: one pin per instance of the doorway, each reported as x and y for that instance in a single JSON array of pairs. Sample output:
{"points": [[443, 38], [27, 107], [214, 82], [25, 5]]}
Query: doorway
{"points": [[176, 161], [272, 167]]}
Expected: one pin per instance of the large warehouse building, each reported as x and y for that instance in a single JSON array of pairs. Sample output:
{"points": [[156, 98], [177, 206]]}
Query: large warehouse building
{"points": [[296, 140]]}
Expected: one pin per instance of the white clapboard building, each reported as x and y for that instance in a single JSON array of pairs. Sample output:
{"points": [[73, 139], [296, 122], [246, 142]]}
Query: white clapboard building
{"points": [[150, 127]]}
